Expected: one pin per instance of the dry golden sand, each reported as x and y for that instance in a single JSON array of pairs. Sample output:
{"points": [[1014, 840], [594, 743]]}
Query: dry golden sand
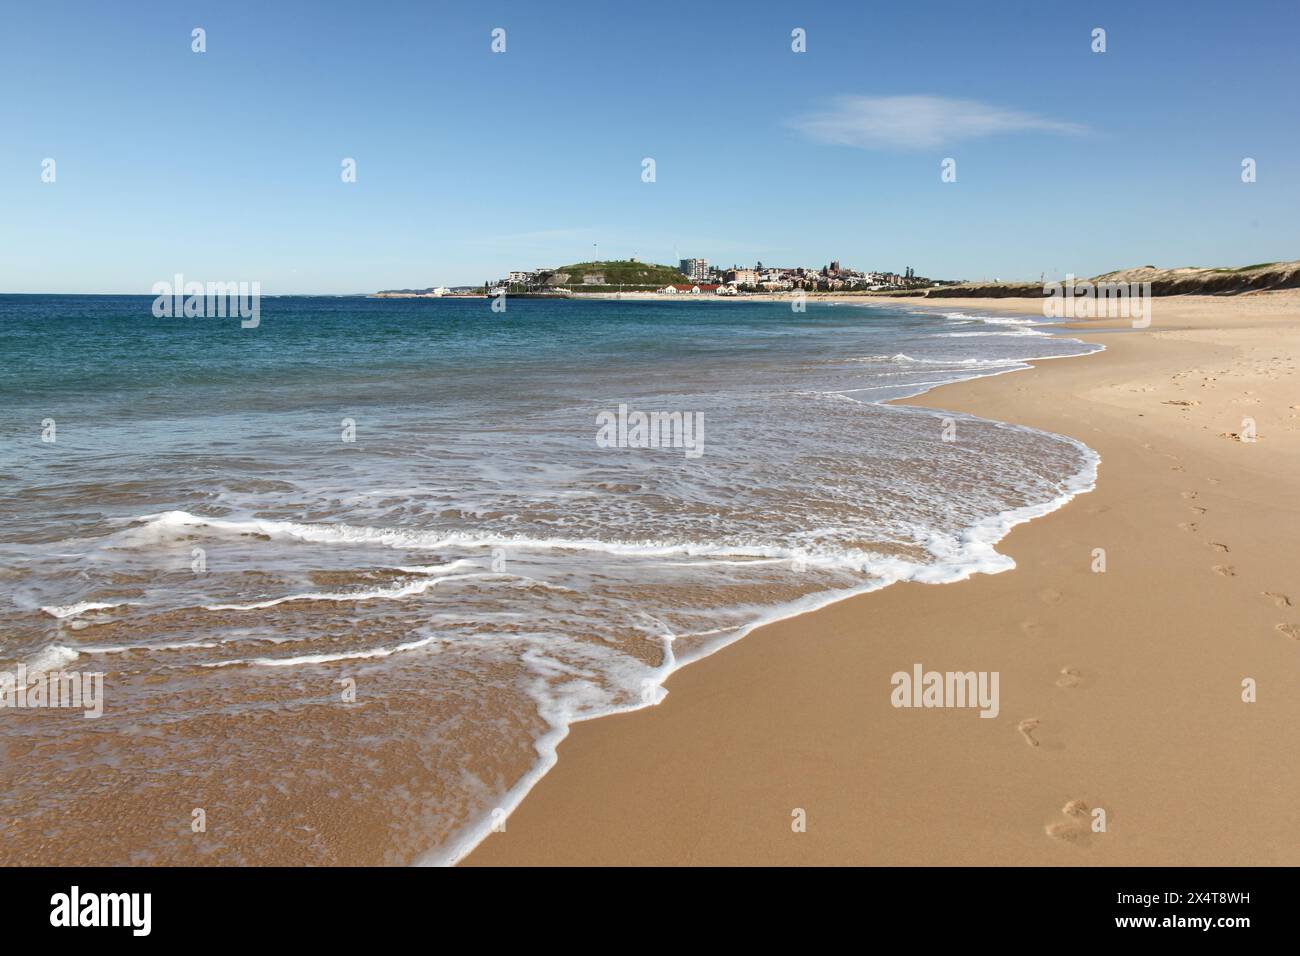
{"points": [[1119, 690]]}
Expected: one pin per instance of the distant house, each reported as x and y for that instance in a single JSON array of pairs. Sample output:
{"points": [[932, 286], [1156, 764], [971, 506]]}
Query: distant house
{"points": [[694, 288]]}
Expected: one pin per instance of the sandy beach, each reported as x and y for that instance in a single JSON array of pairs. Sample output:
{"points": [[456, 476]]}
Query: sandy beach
{"points": [[1121, 690]]}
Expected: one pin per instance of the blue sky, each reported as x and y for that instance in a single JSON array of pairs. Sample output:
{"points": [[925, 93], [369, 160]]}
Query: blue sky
{"points": [[225, 166]]}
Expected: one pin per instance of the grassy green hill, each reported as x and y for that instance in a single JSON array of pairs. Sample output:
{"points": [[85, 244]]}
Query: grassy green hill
{"points": [[623, 272]]}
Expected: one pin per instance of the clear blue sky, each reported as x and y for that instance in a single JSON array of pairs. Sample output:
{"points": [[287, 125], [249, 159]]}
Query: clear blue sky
{"points": [[226, 165]]}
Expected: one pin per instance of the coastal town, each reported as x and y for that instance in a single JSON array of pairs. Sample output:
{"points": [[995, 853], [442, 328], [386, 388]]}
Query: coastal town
{"points": [[699, 276], [689, 277]]}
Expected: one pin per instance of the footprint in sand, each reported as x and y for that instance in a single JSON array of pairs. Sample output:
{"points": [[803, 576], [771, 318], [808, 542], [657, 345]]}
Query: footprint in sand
{"points": [[1032, 628], [1188, 525], [1226, 570], [1290, 630], [1050, 596], [1197, 510], [1070, 677], [1220, 547], [1076, 828], [1189, 495], [1027, 728], [1279, 600]]}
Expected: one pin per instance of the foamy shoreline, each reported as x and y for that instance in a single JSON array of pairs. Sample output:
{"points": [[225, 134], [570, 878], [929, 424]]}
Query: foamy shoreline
{"points": [[1096, 667], [985, 537]]}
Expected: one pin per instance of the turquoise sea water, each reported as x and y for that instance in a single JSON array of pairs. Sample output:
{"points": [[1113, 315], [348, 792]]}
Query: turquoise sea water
{"points": [[233, 523]]}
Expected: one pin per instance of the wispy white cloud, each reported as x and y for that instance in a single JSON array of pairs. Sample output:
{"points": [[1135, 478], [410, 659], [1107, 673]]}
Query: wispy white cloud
{"points": [[917, 122]]}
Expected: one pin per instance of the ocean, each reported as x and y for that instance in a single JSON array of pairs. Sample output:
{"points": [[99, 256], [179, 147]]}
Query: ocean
{"points": [[351, 575]]}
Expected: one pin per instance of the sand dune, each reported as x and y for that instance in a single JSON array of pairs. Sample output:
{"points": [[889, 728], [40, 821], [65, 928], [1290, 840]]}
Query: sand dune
{"points": [[1184, 281]]}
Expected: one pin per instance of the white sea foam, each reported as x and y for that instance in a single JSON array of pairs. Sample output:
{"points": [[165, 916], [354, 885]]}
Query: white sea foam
{"points": [[159, 528], [81, 607], [395, 593], [51, 658], [371, 654], [959, 363]]}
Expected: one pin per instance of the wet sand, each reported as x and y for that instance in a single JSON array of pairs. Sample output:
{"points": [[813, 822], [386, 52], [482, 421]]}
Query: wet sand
{"points": [[1121, 690]]}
